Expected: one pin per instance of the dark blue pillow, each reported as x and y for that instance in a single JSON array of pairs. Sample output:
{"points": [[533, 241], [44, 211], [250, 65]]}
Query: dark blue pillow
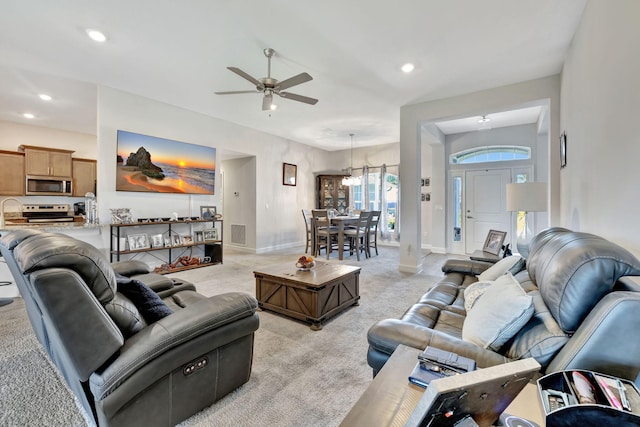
{"points": [[148, 303]]}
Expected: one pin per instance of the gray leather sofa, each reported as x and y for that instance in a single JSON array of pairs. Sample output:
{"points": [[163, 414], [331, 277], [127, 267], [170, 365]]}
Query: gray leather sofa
{"points": [[124, 368], [584, 315]]}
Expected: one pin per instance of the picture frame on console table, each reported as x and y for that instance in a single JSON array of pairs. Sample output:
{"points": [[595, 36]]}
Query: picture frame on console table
{"points": [[493, 243], [157, 241], [208, 212], [210, 234], [138, 241]]}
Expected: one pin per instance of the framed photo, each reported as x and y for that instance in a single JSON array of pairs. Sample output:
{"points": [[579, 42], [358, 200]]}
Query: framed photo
{"points": [[563, 149], [210, 234], [187, 239], [167, 241], [157, 241], [208, 212], [138, 241], [289, 174], [493, 243], [198, 237], [176, 240]]}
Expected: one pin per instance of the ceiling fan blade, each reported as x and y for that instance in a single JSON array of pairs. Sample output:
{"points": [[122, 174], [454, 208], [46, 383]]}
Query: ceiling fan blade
{"points": [[300, 98], [266, 102], [293, 81], [233, 92], [246, 76]]}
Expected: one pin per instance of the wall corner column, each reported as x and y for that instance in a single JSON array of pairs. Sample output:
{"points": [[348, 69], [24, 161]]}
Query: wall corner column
{"points": [[410, 166]]}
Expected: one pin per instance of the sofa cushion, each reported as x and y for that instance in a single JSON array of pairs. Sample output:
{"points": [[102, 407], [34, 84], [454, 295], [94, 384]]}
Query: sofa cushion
{"points": [[498, 315], [575, 270], [499, 268], [541, 338], [475, 291], [148, 303], [125, 315]]}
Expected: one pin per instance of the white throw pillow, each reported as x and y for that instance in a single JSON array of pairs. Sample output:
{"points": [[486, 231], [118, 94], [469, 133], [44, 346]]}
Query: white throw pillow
{"points": [[498, 315], [475, 291], [499, 268]]}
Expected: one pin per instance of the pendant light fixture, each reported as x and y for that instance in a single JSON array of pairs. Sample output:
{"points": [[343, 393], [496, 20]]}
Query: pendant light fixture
{"points": [[350, 179]]}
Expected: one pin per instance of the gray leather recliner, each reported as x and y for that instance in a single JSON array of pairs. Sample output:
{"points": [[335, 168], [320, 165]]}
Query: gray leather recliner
{"points": [[586, 315], [123, 369]]}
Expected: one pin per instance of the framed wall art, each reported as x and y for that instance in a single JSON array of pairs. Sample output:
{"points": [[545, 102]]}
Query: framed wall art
{"points": [[289, 174], [563, 149], [158, 165]]}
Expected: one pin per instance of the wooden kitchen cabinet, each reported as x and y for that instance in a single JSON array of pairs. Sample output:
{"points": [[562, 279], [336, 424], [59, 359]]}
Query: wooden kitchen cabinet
{"points": [[331, 194], [11, 173], [84, 176], [47, 161]]}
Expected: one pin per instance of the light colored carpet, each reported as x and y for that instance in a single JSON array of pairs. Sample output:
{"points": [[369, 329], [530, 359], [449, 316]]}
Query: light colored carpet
{"points": [[299, 377]]}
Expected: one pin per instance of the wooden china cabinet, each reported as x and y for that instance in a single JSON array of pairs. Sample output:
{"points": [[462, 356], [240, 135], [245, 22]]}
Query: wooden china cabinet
{"points": [[331, 194]]}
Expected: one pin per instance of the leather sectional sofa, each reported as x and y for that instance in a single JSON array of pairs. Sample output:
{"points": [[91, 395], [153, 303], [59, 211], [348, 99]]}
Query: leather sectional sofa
{"points": [[582, 314], [142, 359]]}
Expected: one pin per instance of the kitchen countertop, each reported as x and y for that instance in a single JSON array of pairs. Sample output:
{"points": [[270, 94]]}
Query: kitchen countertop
{"points": [[8, 226]]}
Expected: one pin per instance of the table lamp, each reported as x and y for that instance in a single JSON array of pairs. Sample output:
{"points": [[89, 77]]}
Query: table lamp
{"points": [[526, 197]]}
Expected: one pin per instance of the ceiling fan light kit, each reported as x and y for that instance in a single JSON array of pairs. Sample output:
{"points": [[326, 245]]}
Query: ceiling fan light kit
{"points": [[269, 86]]}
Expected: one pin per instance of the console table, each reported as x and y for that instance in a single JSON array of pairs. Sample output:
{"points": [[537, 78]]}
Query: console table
{"points": [[484, 256], [169, 231], [390, 398]]}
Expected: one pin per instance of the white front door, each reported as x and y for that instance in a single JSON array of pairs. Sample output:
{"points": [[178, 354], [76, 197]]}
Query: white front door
{"points": [[485, 205]]}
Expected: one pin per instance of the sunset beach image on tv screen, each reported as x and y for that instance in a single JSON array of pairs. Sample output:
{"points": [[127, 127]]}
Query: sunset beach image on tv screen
{"points": [[158, 165]]}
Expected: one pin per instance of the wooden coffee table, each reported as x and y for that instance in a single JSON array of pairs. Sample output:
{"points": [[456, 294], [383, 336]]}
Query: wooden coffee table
{"points": [[312, 296]]}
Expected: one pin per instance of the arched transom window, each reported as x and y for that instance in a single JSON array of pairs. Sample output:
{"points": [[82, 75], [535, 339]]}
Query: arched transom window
{"points": [[498, 153]]}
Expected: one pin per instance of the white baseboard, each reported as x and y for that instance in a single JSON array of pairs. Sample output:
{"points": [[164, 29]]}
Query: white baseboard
{"points": [[410, 269]]}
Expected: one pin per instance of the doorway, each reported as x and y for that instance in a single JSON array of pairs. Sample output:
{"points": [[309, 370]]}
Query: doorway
{"points": [[477, 204], [485, 205]]}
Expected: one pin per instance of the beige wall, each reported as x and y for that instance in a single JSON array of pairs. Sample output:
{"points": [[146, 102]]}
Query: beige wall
{"points": [[600, 111], [416, 149], [273, 216], [12, 135]]}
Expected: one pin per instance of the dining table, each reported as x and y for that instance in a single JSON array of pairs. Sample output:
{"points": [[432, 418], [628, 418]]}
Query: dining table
{"points": [[340, 222]]}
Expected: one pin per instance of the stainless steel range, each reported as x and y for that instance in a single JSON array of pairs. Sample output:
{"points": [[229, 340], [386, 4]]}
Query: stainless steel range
{"points": [[47, 213]]}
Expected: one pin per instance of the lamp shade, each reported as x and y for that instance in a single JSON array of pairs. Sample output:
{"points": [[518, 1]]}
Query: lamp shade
{"points": [[527, 197]]}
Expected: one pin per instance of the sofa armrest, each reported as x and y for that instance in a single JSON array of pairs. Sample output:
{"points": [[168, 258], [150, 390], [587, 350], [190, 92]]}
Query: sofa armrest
{"points": [[234, 313], [465, 266], [385, 336], [130, 267]]}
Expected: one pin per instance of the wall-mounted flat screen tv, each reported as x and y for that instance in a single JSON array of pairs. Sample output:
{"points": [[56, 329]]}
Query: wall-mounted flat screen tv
{"points": [[157, 165]]}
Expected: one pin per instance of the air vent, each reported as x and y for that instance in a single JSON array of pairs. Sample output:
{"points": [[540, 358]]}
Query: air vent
{"points": [[238, 234]]}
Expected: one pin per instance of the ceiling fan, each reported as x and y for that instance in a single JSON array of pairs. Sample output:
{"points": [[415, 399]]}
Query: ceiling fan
{"points": [[269, 86]]}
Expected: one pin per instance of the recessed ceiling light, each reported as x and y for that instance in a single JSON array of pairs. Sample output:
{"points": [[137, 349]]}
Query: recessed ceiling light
{"points": [[273, 106], [28, 116], [96, 35], [408, 67], [45, 97]]}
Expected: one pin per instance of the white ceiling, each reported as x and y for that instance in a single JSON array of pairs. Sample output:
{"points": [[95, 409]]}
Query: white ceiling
{"points": [[177, 52]]}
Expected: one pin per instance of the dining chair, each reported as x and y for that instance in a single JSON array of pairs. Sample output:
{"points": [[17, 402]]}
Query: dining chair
{"points": [[358, 235], [306, 214], [326, 235], [372, 235]]}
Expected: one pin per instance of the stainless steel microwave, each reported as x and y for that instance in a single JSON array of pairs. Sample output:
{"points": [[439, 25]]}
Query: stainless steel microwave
{"points": [[48, 186]]}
